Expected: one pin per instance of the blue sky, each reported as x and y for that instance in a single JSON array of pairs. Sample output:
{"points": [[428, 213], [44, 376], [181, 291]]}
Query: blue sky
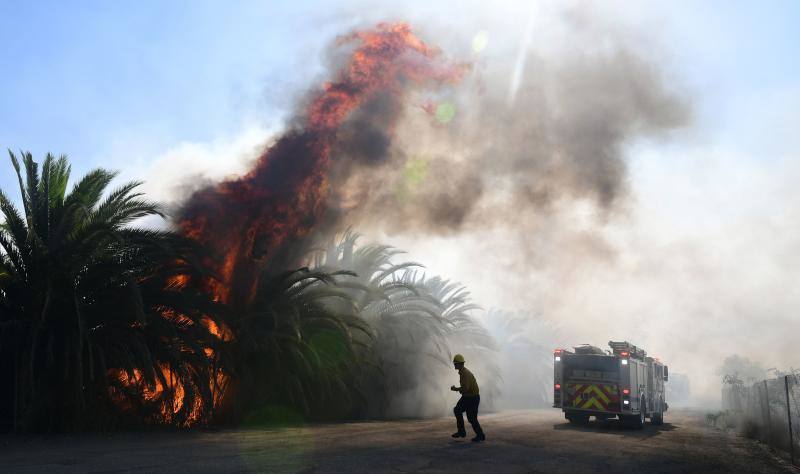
{"points": [[84, 77], [105, 81]]}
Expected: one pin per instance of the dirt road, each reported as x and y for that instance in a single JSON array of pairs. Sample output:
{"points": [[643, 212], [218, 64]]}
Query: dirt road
{"points": [[524, 441]]}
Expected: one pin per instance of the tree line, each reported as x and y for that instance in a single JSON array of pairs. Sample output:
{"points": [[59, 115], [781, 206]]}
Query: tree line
{"points": [[108, 325]]}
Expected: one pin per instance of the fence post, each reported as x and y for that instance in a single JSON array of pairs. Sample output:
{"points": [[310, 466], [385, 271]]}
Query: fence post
{"points": [[769, 415], [789, 416]]}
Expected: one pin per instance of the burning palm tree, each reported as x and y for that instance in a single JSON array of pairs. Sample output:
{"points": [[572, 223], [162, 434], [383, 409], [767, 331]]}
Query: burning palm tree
{"points": [[300, 352], [89, 322], [97, 315]]}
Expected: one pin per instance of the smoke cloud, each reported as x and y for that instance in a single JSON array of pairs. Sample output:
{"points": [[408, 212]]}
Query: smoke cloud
{"points": [[532, 181], [471, 159], [379, 149]]}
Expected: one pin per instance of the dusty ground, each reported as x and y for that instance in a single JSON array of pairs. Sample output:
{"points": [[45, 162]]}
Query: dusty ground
{"points": [[523, 441]]}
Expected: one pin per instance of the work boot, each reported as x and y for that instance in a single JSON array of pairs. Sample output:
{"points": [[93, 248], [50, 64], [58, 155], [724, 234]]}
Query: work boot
{"points": [[479, 438], [459, 434]]}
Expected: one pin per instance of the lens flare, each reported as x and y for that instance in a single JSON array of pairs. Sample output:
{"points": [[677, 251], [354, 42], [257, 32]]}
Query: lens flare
{"points": [[445, 112], [416, 171], [480, 41], [414, 174]]}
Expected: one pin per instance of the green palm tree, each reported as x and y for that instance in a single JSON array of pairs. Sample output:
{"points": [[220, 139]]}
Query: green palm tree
{"points": [[301, 352], [90, 322], [416, 322], [465, 333]]}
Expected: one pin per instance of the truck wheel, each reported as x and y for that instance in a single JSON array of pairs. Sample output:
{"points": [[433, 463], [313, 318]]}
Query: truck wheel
{"points": [[636, 421], [657, 419], [578, 419]]}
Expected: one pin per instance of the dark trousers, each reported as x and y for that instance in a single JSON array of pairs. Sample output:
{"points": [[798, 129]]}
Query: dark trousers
{"points": [[469, 405]]}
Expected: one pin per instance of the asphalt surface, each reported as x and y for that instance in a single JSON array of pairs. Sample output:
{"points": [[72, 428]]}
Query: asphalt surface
{"points": [[520, 441]]}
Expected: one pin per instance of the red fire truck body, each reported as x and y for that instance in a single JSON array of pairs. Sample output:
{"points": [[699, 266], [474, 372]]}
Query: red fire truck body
{"points": [[621, 383]]}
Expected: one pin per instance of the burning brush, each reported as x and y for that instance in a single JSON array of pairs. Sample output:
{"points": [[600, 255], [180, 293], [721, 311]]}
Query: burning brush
{"points": [[263, 222]]}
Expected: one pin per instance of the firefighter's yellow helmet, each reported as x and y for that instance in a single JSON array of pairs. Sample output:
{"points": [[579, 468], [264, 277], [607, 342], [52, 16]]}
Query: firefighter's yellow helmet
{"points": [[458, 358]]}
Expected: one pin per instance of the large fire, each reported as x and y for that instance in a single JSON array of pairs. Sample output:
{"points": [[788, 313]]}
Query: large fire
{"points": [[263, 220], [259, 220]]}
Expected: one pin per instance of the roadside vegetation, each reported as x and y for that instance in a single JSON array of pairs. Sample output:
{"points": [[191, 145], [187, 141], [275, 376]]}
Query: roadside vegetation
{"points": [[759, 403], [105, 325]]}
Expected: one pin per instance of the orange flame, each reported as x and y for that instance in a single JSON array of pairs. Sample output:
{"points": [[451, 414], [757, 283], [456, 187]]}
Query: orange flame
{"points": [[254, 221], [263, 219]]}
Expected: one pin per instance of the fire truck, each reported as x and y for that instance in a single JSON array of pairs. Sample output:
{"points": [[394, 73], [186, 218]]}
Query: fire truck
{"points": [[621, 383]]}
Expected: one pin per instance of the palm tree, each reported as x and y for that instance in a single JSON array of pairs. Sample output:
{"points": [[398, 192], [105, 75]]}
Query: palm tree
{"points": [[528, 341], [415, 321], [91, 322], [301, 352], [465, 332]]}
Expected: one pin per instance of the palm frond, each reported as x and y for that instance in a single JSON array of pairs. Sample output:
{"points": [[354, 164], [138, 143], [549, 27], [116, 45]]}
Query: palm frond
{"points": [[87, 300]]}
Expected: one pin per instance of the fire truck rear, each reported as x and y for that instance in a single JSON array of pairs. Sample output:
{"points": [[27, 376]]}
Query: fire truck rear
{"points": [[621, 383]]}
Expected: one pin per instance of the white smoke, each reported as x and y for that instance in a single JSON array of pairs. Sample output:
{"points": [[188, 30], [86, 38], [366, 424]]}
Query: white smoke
{"points": [[694, 260]]}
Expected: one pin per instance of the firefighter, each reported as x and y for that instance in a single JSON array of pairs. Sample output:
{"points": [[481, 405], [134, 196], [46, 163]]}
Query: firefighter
{"points": [[469, 401]]}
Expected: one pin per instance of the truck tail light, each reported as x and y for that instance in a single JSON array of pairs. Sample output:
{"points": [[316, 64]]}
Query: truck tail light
{"points": [[624, 354], [558, 386], [626, 395]]}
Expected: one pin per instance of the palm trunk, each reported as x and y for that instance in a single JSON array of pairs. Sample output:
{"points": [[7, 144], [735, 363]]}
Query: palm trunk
{"points": [[16, 384], [36, 331], [79, 352]]}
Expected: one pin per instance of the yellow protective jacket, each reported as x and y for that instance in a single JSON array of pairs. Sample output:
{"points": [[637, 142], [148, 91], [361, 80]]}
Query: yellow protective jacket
{"points": [[469, 386]]}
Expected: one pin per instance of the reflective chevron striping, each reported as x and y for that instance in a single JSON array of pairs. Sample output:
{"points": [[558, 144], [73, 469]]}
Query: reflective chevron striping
{"points": [[600, 397], [593, 402], [598, 392]]}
